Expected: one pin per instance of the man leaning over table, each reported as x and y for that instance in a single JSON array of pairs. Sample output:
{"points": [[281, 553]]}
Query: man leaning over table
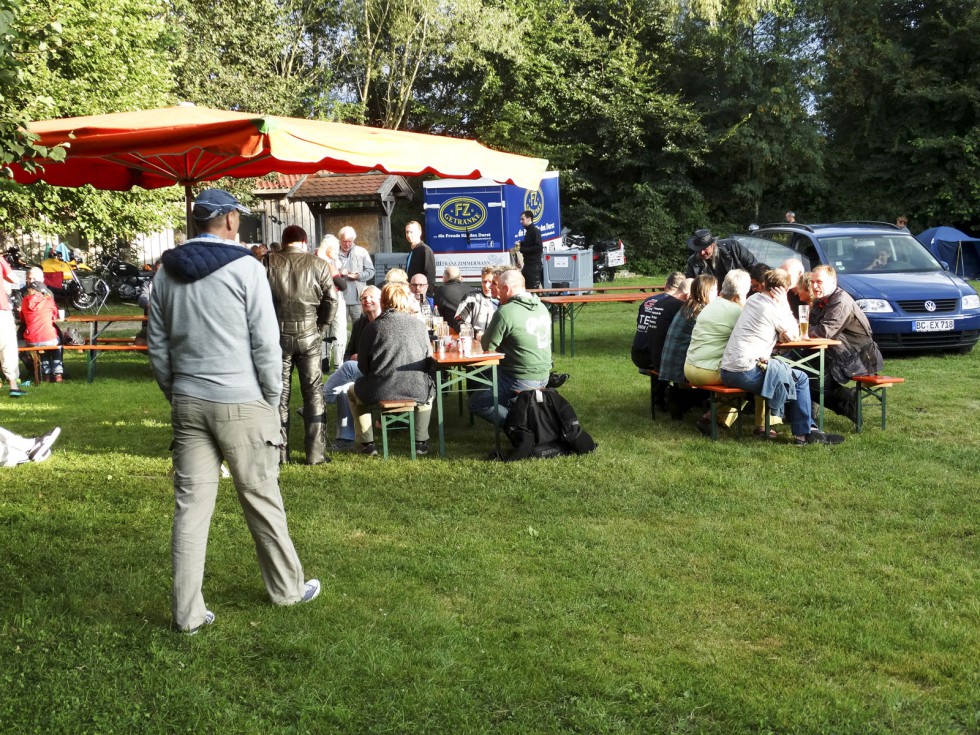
{"points": [[521, 330], [834, 315], [214, 350], [746, 364]]}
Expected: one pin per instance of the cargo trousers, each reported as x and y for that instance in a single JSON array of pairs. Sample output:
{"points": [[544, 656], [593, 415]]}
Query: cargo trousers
{"points": [[246, 436]]}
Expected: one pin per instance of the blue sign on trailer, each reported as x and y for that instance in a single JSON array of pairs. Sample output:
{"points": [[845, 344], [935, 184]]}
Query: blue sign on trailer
{"points": [[476, 223]]}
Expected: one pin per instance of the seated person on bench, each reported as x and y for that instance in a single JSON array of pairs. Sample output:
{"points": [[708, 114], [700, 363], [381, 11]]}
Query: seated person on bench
{"points": [[521, 330], [746, 362], [38, 314], [674, 355], [834, 315], [393, 356], [652, 322]]}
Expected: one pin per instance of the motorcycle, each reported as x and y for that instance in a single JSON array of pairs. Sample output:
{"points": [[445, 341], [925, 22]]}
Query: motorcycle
{"points": [[74, 283], [607, 255], [125, 279]]}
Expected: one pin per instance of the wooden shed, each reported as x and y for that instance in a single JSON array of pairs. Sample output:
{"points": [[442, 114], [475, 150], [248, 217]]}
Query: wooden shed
{"points": [[322, 203]]}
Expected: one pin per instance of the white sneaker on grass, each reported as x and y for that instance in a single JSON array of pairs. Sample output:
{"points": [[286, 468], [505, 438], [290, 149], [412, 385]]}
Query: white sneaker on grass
{"points": [[208, 620], [42, 445], [311, 591]]}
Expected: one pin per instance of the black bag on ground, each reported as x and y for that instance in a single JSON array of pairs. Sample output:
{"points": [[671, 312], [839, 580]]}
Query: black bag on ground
{"points": [[542, 424]]}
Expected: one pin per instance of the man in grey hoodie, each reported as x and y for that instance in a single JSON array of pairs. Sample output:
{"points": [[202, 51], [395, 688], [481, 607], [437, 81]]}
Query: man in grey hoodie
{"points": [[214, 349]]}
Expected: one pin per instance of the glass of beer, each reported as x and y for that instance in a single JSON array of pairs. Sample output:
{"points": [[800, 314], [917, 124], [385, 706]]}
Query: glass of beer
{"points": [[804, 321]]}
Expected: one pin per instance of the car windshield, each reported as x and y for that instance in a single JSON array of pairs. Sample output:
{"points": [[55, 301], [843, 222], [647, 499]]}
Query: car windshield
{"points": [[895, 253], [771, 253]]}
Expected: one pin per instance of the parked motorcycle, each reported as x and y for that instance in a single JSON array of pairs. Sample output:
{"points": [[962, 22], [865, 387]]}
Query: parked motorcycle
{"points": [[607, 255], [74, 283], [125, 279]]}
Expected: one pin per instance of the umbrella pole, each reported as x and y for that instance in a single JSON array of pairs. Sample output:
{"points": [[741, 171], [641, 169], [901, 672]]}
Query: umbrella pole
{"points": [[188, 206]]}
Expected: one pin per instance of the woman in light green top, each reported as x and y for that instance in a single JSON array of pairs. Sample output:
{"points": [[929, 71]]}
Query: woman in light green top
{"points": [[713, 328]]}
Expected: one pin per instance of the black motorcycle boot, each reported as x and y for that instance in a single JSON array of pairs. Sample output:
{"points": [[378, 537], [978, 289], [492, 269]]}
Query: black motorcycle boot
{"points": [[315, 440]]}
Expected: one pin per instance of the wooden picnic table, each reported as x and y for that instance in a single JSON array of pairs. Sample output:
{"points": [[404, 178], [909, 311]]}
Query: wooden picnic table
{"points": [[97, 343], [455, 369], [568, 304], [807, 354], [596, 289]]}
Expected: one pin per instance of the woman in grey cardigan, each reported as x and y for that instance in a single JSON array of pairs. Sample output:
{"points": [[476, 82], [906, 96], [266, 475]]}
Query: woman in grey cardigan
{"points": [[393, 357]]}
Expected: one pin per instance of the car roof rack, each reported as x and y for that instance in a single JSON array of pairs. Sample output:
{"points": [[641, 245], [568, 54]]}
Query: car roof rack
{"points": [[790, 225], [867, 223]]}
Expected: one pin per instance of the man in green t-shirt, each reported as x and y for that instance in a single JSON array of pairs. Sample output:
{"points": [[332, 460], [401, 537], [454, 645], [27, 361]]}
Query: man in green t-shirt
{"points": [[521, 329]]}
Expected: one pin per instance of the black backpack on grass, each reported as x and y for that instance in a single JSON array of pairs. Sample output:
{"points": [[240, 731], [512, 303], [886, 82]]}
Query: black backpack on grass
{"points": [[542, 424]]}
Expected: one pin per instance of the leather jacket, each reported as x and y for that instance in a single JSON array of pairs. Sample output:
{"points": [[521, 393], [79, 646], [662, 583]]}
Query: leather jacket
{"points": [[302, 291]]}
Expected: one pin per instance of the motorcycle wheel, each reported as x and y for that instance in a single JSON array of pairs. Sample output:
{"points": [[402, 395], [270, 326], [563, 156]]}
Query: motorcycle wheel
{"points": [[83, 301], [604, 275]]}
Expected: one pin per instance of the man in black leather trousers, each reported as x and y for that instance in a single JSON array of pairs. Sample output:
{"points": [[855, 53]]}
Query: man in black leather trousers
{"points": [[305, 301]]}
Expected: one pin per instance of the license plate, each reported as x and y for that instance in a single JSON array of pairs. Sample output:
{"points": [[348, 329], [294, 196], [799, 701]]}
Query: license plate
{"points": [[615, 258], [933, 325]]}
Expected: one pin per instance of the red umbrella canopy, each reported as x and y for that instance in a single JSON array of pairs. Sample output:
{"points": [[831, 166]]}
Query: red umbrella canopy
{"points": [[188, 144]]}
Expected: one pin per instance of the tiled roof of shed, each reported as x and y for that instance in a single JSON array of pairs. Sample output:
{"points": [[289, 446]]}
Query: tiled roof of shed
{"points": [[346, 187]]}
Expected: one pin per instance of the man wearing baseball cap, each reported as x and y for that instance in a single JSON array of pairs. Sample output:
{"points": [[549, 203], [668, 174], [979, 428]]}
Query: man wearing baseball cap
{"points": [[716, 257], [214, 348]]}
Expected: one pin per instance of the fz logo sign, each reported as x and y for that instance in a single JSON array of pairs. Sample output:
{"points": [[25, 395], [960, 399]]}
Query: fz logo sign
{"points": [[462, 214], [534, 200]]}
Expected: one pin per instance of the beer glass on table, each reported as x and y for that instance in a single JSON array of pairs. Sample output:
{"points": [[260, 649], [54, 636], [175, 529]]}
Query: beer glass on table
{"points": [[804, 321]]}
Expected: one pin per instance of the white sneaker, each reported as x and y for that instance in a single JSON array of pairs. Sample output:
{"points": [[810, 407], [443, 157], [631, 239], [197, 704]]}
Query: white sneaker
{"points": [[311, 591], [42, 445], [208, 619]]}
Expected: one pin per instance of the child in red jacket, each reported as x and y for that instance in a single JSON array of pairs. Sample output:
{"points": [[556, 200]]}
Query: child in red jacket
{"points": [[38, 313]]}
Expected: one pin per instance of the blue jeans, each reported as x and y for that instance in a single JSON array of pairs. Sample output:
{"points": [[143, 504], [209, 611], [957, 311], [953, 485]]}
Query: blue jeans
{"points": [[51, 360], [481, 402], [797, 412], [346, 373]]}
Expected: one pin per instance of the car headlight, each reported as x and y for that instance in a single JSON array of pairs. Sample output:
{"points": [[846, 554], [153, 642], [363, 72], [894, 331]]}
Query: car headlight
{"points": [[971, 302], [874, 306]]}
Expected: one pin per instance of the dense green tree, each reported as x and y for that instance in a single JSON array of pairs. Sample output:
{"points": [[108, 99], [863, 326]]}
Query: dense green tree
{"points": [[250, 55], [110, 55], [17, 43], [753, 86], [901, 109]]}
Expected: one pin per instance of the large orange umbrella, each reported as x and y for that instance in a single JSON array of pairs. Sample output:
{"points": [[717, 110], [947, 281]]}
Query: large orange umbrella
{"points": [[188, 145]]}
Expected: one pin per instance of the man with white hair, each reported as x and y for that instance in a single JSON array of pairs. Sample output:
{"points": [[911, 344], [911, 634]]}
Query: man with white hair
{"points": [[354, 264], [521, 330]]}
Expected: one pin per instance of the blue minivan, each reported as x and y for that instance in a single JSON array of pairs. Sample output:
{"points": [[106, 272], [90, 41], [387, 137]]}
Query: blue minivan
{"points": [[912, 301]]}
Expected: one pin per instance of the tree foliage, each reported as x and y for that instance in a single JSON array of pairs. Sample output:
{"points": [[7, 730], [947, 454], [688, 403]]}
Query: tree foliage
{"points": [[109, 55], [661, 116], [901, 108], [18, 40]]}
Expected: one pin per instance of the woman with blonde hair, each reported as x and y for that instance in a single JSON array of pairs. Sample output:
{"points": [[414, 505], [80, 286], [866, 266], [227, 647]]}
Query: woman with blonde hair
{"points": [[703, 292], [393, 357]]}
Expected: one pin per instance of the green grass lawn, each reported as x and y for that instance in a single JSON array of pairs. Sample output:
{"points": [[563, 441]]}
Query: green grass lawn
{"points": [[662, 584]]}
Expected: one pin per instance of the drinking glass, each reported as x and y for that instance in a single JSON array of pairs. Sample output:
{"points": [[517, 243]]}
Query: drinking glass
{"points": [[804, 321]]}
